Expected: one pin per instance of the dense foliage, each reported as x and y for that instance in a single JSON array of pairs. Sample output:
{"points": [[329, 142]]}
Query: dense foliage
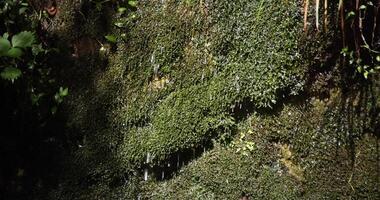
{"points": [[196, 99]]}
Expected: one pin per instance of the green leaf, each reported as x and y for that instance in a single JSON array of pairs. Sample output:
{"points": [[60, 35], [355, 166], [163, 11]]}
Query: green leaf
{"points": [[366, 74], [378, 58], [350, 14], [98, 6], [119, 24], [23, 39], [344, 51], [5, 35], [132, 3], [63, 92], [360, 69], [111, 38], [37, 49], [10, 73], [121, 9], [14, 53], [5, 45], [22, 10], [35, 98], [363, 7]]}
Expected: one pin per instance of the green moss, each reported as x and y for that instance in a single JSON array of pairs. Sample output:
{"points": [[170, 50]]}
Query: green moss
{"points": [[212, 68], [296, 155], [224, 173], [179, 79]]}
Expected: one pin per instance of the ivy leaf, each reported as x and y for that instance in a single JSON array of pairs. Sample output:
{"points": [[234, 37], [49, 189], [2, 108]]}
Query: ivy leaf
{"points": [[5, 45], [10, 74], [111, 38], [23, 39], [14, 53]]}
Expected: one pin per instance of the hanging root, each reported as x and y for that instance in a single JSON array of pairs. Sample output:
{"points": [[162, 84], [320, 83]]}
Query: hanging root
{"points": [[341, 13], [317, 14], [376, 11], [306, 6], [325, 15]]}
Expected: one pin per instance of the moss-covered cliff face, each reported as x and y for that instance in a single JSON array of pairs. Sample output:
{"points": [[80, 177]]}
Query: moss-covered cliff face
{"points": [[213, 99]]}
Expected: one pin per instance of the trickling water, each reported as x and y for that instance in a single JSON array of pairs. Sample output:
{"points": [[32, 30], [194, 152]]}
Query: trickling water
{"points": [[155, 66], [146, 174], [146, 170]]}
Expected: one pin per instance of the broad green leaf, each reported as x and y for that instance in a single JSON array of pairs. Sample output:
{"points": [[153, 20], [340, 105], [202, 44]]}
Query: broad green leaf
{"points": [[378, 58], [111, 38], [23, 39], [132, 3], [14, 53], [5, 45], [10, 73]]}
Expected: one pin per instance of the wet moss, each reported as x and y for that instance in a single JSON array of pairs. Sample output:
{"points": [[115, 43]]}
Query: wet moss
{"points": [[183, 75], [210, 69], [296, 153]]}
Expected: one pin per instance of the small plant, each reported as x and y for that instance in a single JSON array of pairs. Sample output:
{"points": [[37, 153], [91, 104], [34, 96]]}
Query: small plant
{"points": [[244, 146], [126, 15], [12, 50], [21, 55]]}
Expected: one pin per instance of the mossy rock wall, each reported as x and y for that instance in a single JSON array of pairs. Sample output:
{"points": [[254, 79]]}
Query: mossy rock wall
{"points": [[235, 77], [204, 72]]}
